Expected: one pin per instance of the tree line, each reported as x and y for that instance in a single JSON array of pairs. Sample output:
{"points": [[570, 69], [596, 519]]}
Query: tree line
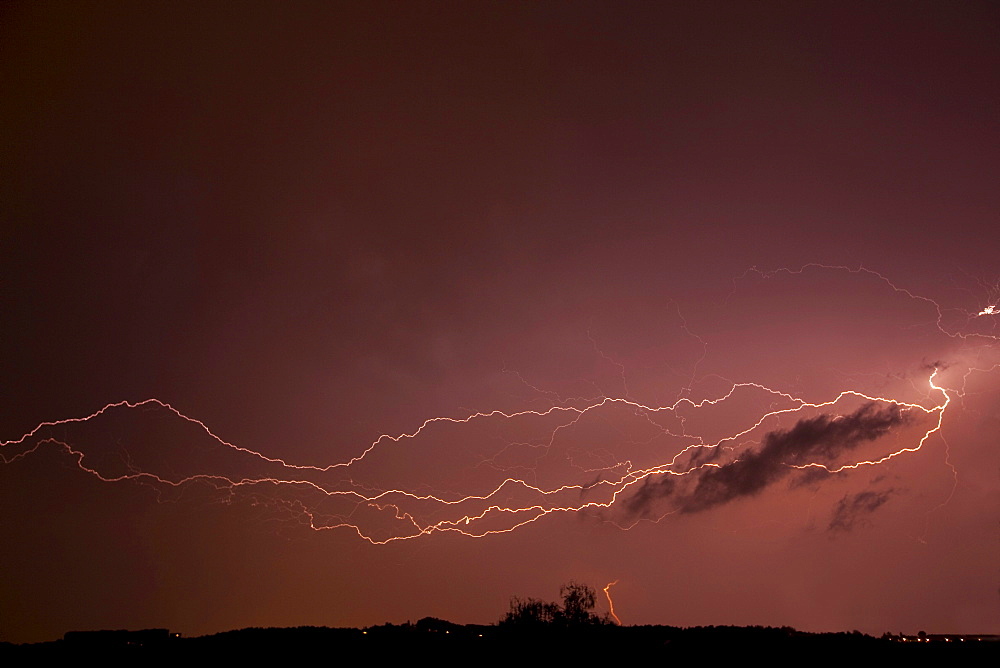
{"points": [[576, 610]]}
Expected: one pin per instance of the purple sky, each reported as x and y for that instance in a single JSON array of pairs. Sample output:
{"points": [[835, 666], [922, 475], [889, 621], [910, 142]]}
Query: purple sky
{"points": [[307, 225]]}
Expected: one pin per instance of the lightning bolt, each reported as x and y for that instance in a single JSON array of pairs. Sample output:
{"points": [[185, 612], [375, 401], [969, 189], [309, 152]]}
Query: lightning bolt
{"points": [[521, 483], [611, 603]]}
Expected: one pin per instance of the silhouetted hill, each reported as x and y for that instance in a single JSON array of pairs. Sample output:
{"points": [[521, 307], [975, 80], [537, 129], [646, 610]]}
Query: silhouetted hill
{"points": [[445, 640]]}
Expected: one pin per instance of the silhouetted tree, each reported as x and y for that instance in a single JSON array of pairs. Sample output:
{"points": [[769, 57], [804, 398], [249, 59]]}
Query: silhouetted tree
{"points": [[578, 603], [531, 612]]}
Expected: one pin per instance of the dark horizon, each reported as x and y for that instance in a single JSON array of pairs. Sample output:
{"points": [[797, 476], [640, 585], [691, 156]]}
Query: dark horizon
{"points": [[486, 634]]}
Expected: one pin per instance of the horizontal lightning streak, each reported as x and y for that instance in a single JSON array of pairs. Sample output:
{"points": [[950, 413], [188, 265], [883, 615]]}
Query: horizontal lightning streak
{"points": [[532, 511], [500, 516]]}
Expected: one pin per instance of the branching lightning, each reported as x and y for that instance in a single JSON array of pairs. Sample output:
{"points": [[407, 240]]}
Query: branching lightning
{"points": [[519, 484]]}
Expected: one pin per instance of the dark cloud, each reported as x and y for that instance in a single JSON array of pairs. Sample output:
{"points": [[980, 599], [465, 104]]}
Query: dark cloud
{"points": [[809, 477], [652, 489], [934, 366], [821, 438], [817, 439], [700, 456], [853, 507], [590, 485]]}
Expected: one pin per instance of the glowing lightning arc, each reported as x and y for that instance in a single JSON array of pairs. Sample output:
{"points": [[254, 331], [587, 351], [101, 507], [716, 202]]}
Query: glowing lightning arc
{"points": [[508, 494], [611, 604]]}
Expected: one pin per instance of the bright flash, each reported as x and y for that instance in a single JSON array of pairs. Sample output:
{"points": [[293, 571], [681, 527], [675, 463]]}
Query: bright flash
{"points": [[990, 310]]}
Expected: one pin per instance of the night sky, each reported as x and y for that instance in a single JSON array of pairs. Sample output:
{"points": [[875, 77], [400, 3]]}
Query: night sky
{"points": [[435, 303]]}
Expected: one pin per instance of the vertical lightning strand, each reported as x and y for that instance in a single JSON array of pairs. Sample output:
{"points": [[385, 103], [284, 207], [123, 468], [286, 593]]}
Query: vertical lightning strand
{"points": [[611, 604]]}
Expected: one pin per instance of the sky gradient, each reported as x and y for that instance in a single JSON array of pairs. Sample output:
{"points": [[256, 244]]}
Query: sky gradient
{"points": [[420, 306]]}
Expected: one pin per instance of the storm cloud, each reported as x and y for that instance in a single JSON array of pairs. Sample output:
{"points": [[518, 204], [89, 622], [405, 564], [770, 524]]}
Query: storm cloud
{"points": [[821, 438], [653, 488], [853, 508], [818, 439]]}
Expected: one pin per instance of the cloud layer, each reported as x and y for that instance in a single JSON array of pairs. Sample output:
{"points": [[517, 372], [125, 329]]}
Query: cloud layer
{"points": [[820, 439]]}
